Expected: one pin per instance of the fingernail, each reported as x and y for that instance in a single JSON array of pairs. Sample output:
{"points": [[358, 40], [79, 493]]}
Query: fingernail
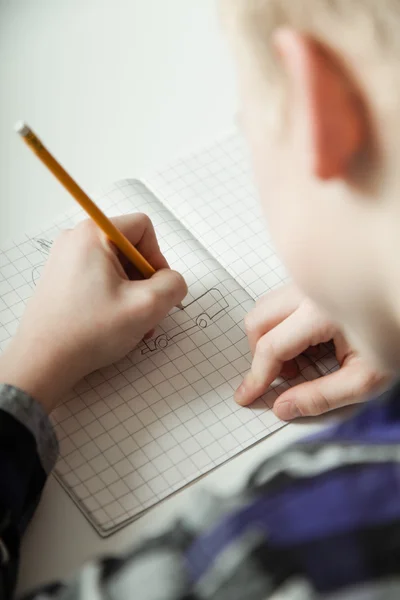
{"points": [[287, 411]]}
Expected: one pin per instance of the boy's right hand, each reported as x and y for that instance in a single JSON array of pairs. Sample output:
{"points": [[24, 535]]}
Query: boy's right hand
{"points": [[86, 313], [282, 326]]}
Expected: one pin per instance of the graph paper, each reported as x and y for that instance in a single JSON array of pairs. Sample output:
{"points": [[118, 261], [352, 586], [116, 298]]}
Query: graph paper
{"points": [[134, 433], [211, 192]]}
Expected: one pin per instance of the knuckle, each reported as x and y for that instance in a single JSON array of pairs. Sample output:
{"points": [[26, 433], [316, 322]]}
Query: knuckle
{"points": [[148, 300], [143, 304], [267, 300], [261, 301], [250, 323], [259, 386], [265, 347], [86, 228], [64, 234], [320, 404], [315, 405], [320, 328], [144, 220], [319, 333], [178, 283], [62, 238]]}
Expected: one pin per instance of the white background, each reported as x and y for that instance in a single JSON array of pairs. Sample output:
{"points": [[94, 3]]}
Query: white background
{"points": [[113, 88]]}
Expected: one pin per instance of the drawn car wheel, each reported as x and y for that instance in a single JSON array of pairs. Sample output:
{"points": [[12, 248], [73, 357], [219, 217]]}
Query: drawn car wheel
{"points": [[161, 342], [203, 321]]}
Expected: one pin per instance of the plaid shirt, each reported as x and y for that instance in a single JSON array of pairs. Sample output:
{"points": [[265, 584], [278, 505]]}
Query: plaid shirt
{"points": [[319, 520]]}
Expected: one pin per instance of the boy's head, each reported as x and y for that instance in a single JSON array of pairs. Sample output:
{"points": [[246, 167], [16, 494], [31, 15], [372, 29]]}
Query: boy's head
{"points": [[320, 93]]}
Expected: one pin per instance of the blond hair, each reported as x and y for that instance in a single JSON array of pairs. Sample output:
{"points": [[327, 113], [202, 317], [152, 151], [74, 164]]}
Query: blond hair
{"points": [[363, 32]]}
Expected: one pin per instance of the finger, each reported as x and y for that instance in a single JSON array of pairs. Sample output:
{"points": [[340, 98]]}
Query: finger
{"points": [[286, 341], [139, 230], [152, 299], [343, 350], [348, 385], [269, 311]]}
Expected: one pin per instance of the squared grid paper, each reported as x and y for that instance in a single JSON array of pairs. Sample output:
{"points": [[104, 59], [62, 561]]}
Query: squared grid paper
{"points": [[211, 192], [136, 432]]}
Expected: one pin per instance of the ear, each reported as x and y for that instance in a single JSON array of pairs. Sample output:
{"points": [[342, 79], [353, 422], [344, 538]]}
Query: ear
{"points": [[328, 103]]}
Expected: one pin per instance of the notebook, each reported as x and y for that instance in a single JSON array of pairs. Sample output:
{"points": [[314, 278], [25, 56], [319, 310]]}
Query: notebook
{"points": [[138, 431]]}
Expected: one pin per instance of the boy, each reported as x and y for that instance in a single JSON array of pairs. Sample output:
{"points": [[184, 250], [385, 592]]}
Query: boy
{"points": [[319, 90]]}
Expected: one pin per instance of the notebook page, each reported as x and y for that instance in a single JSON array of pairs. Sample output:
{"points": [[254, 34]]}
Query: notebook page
{"points": [[211, 191], [136, 432]]}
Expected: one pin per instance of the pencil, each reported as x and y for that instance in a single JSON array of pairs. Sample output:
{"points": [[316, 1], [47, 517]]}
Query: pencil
{"points": [[101, 220]]}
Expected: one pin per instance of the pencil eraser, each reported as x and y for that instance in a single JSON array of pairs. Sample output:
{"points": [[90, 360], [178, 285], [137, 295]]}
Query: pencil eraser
{"points": [[21, 128]]}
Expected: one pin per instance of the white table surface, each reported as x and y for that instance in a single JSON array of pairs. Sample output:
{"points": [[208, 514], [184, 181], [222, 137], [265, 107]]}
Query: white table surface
{"points": [[113, 87]]}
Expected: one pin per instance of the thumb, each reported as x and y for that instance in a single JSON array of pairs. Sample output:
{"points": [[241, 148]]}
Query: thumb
{"points": [[155, 297], [168, 286], [348, 385]]}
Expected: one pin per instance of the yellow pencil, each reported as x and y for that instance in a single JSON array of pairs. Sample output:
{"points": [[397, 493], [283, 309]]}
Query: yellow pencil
{"points": [[122, 243]]}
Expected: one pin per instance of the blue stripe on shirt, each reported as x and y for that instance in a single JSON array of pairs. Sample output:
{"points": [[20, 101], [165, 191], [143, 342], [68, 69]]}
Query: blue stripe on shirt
{"points": [[333, 503]]}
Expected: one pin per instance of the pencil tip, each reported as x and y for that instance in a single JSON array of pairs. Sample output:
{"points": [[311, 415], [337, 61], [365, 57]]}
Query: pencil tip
{"points": [[180, 306], [21, 128]]}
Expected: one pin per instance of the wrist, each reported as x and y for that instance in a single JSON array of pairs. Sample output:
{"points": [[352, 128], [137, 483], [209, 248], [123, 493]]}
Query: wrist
{"points": [[38, 373]]}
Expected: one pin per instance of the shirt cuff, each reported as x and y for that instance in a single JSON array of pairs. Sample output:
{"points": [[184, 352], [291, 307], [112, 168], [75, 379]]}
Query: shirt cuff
{"points": [[32, 415]]}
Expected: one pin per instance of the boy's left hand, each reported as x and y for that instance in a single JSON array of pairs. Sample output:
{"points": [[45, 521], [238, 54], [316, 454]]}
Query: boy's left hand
{"points": [[86, 313], [285, 324]]}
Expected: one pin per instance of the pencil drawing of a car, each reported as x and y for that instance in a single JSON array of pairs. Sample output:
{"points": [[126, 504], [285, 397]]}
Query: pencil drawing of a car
{"points": [[199, 314]]}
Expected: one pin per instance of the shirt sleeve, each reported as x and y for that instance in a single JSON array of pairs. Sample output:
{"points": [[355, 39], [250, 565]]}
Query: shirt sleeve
{"points": [[28, 451]]}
